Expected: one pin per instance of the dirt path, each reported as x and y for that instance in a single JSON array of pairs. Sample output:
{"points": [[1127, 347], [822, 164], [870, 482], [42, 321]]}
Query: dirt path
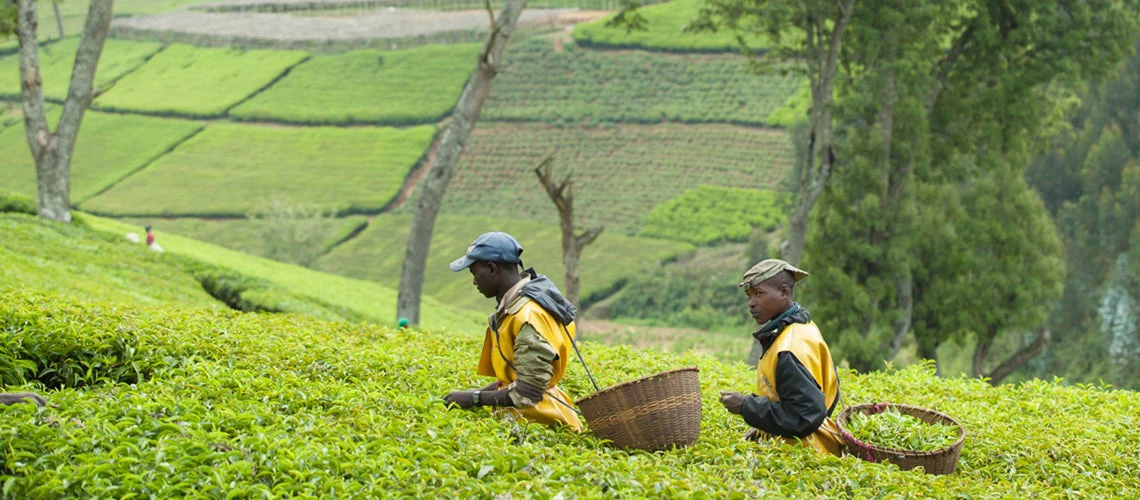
{"points": [[377, 25]]}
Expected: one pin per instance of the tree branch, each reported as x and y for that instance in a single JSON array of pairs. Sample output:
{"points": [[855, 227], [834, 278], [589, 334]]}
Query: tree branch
{"points": [[1020, 357]]}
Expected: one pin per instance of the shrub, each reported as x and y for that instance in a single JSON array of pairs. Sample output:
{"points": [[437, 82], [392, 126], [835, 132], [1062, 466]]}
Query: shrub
{"points": [[712, 214], [17, 203]]}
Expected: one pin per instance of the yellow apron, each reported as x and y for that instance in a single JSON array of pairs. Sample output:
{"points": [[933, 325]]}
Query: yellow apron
{"points": [[498, 356], [806, 343]]}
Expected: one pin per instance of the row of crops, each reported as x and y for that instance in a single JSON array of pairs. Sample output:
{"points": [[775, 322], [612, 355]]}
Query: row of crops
{"points": [[572, 84], [170, 402], [620, 173]]}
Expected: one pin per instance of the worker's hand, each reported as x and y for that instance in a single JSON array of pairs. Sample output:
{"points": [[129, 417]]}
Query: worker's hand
{"points": [[733, 401], [753, 434], [462, 399]]}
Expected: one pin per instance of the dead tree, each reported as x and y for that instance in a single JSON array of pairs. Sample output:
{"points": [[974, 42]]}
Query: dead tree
{"points": [[52, 150], [450, 147], [562, 193]]}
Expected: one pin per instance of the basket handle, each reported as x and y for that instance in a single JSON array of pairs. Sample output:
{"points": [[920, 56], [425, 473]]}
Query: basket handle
{"points": [[583, 361]]}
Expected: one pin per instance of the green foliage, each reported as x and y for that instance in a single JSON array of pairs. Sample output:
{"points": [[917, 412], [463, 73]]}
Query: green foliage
{"points": [[899, 431], [57, 59], [269, 405], [348, 298], [294, 232], [794, 110], [403, 87], [620, 174], [110, 147], [378, 254], [664, 30], [17, 203], [235, 167], [575, 85], [713, 214], [197, 82]]}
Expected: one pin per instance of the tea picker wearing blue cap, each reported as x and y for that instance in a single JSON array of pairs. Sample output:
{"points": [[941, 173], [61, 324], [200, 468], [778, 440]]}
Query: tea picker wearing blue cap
{"points": [[527, 343]]}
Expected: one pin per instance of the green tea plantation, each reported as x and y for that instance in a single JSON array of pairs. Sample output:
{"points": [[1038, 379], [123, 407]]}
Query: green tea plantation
{"points": [[170, 402]]}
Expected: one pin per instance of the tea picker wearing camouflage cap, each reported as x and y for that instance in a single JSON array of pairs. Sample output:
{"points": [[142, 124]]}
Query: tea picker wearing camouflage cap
{"points": [[797, 387]]}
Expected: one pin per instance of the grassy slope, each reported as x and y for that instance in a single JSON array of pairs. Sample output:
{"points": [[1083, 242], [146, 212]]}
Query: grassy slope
{"points": [[57, 59], [243, 235], [363, 298], [377, 254], [620, 173], [198, 82], [664, 24], [254, 405], [575, 84], [109, 148], [402, 87], [234, 168], [43, 255]]}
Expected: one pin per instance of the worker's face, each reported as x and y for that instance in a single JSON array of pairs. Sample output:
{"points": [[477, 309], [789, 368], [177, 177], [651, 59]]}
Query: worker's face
{"points": [[765, 301], [485, 277]]}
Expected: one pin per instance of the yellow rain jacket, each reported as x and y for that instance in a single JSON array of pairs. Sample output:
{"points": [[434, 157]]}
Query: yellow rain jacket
{"points": [[804, 341], [497, 360]]}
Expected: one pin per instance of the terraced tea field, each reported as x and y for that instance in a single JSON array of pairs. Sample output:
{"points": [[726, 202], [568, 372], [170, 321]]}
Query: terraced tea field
{"points": [[57, 58], [403, 87], [664, 31], [574, 85], [620, 173], [230, 169]]}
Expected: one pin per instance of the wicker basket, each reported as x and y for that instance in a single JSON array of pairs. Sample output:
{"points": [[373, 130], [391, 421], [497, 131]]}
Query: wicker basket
{"points": [[942, 461], [657, 412]]}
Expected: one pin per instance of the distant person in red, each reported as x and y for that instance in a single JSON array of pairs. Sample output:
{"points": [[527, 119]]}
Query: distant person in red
{"points": [[149, 236]]}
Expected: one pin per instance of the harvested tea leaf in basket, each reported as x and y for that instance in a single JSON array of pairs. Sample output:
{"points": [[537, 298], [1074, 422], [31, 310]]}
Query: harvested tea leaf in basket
{"points": [[892, 429]]}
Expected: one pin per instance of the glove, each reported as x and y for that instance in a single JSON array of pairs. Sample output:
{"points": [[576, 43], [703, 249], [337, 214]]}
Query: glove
{"points": [[732, 401], [462, 399]]}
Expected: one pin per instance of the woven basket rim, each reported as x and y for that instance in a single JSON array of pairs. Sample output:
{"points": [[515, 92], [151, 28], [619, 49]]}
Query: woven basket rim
{"points": [[616, 387], [841, 418]]}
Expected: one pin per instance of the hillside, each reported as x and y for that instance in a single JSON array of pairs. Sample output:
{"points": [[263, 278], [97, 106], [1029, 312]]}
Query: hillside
{"points": [[91, 259], [168, 402]]}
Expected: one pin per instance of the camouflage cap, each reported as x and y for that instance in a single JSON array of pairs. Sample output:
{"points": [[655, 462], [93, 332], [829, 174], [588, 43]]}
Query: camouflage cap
{"points": [[766, 269]]}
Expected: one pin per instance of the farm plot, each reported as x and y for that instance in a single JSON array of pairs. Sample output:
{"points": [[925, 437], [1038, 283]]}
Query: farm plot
{"points": [[230, 169], [109, 148], [197, 82], [378, 254], [58, 58], [713, 214], [577, 85], [620, 173], [664, 31], [402, 87]]}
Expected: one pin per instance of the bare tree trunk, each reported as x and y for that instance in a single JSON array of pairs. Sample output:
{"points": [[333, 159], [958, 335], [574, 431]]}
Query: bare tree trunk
{"points": [[58, 19], [451, 146], [981, 349], [52, 150], [1020, 357], [823, 63], [572, 244]]}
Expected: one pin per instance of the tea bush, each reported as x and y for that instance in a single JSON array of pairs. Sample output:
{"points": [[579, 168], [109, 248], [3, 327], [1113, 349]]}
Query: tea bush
{"points": [[714, 214], [275, 405]]}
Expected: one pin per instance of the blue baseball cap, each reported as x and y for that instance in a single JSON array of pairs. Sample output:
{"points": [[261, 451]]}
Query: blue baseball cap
{"points": [[495, 246]]}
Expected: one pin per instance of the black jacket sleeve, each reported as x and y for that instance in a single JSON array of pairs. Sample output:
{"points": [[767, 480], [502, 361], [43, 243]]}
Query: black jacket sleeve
{"points": [[801, 408]]}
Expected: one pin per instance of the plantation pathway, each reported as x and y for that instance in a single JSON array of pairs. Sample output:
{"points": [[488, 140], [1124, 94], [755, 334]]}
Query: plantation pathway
{"points": [[377, 25]]}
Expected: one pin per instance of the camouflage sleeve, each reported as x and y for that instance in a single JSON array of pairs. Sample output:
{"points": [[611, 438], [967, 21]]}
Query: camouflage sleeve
{"points": [[534, 365]]}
